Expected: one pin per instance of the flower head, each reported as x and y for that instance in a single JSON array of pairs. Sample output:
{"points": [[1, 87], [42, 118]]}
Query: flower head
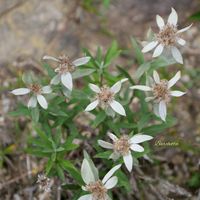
{"points": [[97, 188], [37, 94], [105, 97], [161, 93], [44, 182], [65, 68], [122, 147], [168, 36]]}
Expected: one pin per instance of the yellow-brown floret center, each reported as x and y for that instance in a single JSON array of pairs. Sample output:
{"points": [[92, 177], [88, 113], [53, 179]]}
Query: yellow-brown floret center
{"points": [[105, 96], [161, 91], [168, 35], [65, 65], [122, 145], [98, 190], [35, 88]]}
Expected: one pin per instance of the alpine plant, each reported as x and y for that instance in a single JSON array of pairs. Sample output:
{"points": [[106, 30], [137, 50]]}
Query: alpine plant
{"points": [[161, 93], [65, 69], [167, 37], [105, 98], [37, 92], [124, 145], [97, 188]]}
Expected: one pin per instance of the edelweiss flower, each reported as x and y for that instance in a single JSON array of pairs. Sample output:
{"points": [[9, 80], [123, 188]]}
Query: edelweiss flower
{"points": [[44, 182], [161, 93], [168, 36], [105, 97], [97, 188], [37, 91], [65, 68], [122, 147]]}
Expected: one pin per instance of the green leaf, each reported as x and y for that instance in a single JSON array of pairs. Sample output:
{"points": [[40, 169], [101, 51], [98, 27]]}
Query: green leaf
{"points": [[35, 114], [79, 94], [99, 118], [70, 168], [49, 70], [57, 112], [60, 172], [194, 181], [82, 72], [141, 70], [43, 136], [123, 180], [155, 129], [195, 16], [155, 64], [37, 153], [111, 53], [53, 157], [70, 187], [21, 111], [27, 78], [49, 166], [138, 53], [126, 74], [105, 155], [143, 120], [68, 146]]}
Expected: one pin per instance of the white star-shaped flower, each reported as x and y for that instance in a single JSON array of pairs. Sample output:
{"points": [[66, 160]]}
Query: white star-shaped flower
{"points": [[105, 97], [161, 93], [168, 36], [96, 187], [123, 146], [65, 68], [37, 96]]}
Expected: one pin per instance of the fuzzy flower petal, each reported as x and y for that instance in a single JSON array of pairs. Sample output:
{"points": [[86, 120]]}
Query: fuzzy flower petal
{"points": [[141, 87], [111, 183], [174, 79], [112, 136], [160, 21], [21, 91], [158, 50], [56, 79], [42, 101], [32, 103], [162, 110], [94, 88], [139, 138], [181, 41], [104, 144], [66, 80], [50, 58], [149, 46], [177, 55], [46, 89], [156, 77], [137, 148], [110, 173], [184, 29], [177, 93], [118, 108], [173, 17], [86, 197], [128, 160], [92, 105], [81, 61]]}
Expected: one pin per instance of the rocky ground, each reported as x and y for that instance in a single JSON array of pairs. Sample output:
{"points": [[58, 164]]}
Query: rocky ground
{"points": [[30, 29]]}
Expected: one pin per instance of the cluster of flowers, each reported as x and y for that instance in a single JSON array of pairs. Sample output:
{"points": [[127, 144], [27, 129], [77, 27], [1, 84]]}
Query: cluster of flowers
{"points": [[160, 91]]}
